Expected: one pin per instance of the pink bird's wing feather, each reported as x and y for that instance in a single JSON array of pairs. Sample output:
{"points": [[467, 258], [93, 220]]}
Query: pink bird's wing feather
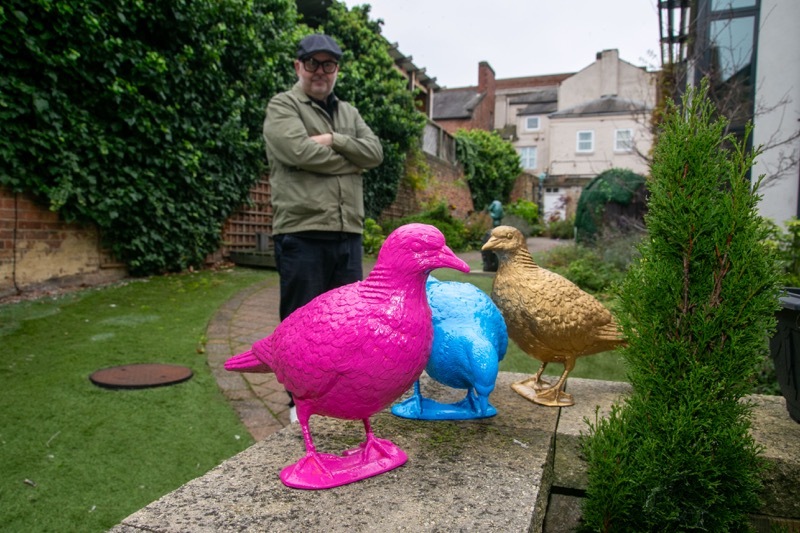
{"points": [[349, 356]]}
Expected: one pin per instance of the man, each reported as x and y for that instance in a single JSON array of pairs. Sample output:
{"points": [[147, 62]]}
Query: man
{"points": [[317, 147]]}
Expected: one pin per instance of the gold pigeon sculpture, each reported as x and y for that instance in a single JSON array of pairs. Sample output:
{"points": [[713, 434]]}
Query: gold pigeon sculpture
{"points": [[549, 317]]}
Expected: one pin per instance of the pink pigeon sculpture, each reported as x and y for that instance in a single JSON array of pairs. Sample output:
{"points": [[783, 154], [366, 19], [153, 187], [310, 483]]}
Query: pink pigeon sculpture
{"points": [[352, 351]]}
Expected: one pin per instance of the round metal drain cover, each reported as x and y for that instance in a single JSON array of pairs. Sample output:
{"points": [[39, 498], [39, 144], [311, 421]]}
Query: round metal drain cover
{"points": [[140, 376]]}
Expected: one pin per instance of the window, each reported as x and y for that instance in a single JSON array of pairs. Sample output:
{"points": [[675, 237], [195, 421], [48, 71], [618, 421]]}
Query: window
{"points": [[527, 155], [585, 141], [623, 140], [531, 123]]}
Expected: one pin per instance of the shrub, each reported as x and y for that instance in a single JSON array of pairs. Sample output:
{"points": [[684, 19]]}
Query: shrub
{"points": [[454, 231], [373, 237], [696, 308], [561, 229], [585, 267], [615, 185], [524, 209], [491, 165], [518, 222], [786, 245], [477, 225]]}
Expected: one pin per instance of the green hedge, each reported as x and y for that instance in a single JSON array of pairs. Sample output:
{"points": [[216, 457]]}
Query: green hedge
{"points": [[491, 165], [143, 117]]}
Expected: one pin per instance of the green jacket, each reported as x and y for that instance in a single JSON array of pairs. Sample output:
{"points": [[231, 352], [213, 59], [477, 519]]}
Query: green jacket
{"points": [[315, 187]]}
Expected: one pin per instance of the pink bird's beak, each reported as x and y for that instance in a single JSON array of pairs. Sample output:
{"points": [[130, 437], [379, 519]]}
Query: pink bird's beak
{"points": [[447, 259]]}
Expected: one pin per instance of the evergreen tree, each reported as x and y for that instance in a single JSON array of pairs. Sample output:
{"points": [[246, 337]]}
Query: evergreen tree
{"points": [[697, 308]]}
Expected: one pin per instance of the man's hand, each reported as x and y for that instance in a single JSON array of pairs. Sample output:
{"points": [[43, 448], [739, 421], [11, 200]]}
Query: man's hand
{"points": [[325, 139]]}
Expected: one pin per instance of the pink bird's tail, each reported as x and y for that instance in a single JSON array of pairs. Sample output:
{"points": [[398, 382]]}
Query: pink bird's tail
{"points": [[247, 362]]}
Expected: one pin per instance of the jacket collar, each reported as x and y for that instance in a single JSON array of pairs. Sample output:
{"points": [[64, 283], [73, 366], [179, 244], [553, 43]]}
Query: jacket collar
{"points": [[329, 106]]}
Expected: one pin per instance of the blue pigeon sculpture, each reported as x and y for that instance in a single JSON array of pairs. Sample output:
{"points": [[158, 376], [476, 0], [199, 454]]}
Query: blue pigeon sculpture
{"points": [[469, 341]]}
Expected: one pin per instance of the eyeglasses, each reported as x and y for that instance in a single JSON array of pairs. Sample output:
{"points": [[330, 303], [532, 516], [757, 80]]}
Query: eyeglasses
{"points": [[311, 65]]}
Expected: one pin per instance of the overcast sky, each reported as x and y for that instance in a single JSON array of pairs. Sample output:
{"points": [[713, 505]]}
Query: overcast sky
{"points": [[517, 37]]}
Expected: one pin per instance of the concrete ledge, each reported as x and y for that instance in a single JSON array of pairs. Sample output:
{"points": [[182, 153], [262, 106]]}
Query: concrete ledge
{"points": [[490, 475]]}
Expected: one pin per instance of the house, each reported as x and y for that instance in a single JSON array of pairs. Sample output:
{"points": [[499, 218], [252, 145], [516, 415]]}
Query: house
{"points": [[602, 122], [467, 107], [750, 52], [567, 128]]}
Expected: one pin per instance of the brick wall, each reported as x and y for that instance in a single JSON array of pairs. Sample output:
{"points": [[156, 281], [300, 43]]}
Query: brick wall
{"points": [[446, 183], [38, 250], [526, 187]]}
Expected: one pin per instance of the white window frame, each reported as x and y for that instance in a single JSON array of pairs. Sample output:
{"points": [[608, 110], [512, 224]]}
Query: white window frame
{"points": [[526, 126], [590, 140], [522, 158], [623, 144]]}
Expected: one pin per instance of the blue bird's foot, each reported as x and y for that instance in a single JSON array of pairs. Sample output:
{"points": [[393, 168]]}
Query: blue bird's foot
{"points": [[479, 405], [466, 409], [410, 408]]}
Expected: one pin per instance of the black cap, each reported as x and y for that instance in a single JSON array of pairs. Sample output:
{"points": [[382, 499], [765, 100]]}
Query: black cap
{"points": [[318, 43]]}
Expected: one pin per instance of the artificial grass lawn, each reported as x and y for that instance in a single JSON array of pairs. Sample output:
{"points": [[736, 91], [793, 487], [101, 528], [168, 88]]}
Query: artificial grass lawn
{"points": [[77, 457]]}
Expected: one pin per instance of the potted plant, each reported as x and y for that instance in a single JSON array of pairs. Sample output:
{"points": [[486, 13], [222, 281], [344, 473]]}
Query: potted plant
{"points": [[784, 346]]}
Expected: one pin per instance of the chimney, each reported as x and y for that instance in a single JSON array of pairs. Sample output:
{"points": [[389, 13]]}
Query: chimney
{"points": [[486, 85], [609, 72], [485, 77]]}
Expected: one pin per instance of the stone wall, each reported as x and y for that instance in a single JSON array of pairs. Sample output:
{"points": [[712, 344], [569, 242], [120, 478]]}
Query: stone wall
{"points": [[440, 181], [38, 250], [520, 470]]}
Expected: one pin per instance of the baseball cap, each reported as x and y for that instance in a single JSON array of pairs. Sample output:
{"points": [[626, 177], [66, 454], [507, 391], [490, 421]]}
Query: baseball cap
{"points": [[318, 42]]}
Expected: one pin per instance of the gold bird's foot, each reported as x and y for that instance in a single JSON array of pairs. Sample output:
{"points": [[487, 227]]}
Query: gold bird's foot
{"points": [[530, 387], [524, 390], [554, 397], [536, 383]]}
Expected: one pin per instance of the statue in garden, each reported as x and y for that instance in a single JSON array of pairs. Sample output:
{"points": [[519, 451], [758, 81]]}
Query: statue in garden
{"points": [[496, 212], [489, 259], [354, 350], [549, 317], [469, 341]]}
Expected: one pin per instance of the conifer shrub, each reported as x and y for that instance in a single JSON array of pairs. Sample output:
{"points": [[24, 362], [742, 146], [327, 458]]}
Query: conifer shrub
{"points": [[697, 309]]}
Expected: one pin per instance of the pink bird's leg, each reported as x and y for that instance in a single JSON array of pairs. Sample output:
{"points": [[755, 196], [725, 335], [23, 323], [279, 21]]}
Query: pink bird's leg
{"points": [[311, 463], [373, 444]]}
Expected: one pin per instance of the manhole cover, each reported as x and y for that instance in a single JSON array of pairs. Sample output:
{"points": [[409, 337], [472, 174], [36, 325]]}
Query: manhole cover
{"points": [[140, 376]]}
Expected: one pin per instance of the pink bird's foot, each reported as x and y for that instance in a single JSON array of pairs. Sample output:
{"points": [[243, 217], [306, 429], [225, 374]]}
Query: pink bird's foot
{"points": [[325, 471]]}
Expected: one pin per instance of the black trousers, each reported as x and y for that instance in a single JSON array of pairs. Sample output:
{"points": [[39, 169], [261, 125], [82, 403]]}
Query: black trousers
{"points": [[310, 266]]}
